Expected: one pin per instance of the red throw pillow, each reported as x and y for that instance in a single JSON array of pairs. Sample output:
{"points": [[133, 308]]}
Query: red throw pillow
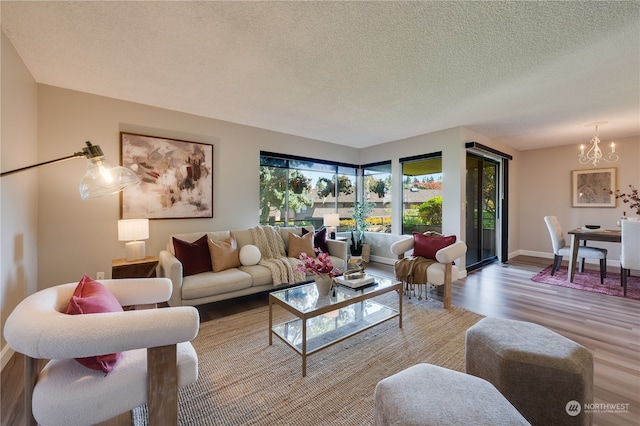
{"points": [[195, 257], [426, 245], [91, 297]]}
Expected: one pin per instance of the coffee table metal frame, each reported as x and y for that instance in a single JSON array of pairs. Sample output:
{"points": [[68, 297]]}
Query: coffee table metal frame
{"points": [[368, 312]]}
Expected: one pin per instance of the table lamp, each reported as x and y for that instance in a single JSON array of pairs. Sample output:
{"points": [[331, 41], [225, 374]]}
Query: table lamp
{"points": [[332, 221], [134, 230]]}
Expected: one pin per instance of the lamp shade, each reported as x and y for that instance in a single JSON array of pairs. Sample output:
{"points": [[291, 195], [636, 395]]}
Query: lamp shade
{"points": [[103, 178], [331, 219], [133, 229]]}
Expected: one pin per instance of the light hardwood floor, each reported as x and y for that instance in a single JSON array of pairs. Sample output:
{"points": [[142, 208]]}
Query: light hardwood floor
{"points": [[608, 326]]}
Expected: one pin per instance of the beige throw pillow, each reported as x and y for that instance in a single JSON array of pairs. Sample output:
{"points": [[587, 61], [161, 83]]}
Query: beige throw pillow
{"points": [[299, 245], [224, 254]]}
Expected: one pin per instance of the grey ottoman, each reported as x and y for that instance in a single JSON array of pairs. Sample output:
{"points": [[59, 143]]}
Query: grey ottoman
{"points": [[546, 376], [427, 395]]}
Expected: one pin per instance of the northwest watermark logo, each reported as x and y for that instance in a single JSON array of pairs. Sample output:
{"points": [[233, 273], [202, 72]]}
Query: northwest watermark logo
{"points": [[573, 407]]}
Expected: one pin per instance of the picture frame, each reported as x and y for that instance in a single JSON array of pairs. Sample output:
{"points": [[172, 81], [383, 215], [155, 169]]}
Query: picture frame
{"points": [[176, 178], [593, 187]]}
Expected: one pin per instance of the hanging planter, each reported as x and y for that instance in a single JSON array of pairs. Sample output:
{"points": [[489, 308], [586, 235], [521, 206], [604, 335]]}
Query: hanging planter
{"points": [[298, 183], [327, 186]]}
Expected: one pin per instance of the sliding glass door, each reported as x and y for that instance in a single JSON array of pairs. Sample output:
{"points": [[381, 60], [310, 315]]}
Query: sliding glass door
{"points": [[482, 221]]}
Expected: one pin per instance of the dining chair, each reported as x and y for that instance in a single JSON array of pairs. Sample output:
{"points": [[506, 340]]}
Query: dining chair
{"points": [[630, 250], [561, 249]]}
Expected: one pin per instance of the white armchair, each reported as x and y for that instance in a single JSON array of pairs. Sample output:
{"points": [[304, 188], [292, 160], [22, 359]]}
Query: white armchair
{"points": [[442, 271], [630, 254], [157, 357]]}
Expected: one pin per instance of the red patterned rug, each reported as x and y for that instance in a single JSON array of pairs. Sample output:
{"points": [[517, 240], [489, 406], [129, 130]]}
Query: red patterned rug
{"points": [[589, 280]]}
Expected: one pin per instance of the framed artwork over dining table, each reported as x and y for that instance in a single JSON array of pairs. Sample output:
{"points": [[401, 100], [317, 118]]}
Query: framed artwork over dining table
{"points": [[593, 187]]}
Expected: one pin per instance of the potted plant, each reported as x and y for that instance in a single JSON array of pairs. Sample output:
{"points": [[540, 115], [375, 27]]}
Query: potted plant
{"points": [[361, 211]]}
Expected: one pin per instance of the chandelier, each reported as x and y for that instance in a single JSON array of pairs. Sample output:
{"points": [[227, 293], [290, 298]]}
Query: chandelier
{"points": [[594, 155]]}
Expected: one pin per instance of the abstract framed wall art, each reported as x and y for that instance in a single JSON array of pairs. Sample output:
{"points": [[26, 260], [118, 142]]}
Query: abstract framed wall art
{"points": [[592, 188], [176, 178]]}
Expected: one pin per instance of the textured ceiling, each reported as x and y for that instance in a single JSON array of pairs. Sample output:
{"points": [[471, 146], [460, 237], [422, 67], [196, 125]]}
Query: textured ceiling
{"points": [[527, 74]]}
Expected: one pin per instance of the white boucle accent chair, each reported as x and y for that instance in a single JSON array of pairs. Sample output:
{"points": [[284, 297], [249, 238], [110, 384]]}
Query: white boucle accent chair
{"points": [[157, 356], [443, 271]]}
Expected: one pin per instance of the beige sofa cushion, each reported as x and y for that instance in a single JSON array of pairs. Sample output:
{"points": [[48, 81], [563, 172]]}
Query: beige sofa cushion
{"points": [[208, 284], [261, 275], [243, 237]]}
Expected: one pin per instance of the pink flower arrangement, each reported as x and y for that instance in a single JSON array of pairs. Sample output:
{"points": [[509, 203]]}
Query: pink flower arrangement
{"points": [[317, 265]]}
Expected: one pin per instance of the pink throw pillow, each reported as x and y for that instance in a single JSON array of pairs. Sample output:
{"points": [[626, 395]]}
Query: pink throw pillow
{"points": [[195, 257], [427, 246], [91, 297]]}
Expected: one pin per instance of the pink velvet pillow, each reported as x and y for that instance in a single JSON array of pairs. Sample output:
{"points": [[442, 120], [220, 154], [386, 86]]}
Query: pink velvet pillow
{"points": [[91, 297], [195, 257], [427, 245]]}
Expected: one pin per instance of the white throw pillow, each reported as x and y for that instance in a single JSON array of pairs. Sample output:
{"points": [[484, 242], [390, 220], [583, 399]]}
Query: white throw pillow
{"points": [[250, 255]]}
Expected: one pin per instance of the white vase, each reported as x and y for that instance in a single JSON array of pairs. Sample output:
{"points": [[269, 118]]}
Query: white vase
{"points": [[324, 282]]}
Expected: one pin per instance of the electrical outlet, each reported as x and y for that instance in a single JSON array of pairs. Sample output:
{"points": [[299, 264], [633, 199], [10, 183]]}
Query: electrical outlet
{"points": [[99, 275]]}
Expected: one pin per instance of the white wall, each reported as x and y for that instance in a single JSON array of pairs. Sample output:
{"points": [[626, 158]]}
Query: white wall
{"points": [[18, 196], [545, 189], [77, 236]]}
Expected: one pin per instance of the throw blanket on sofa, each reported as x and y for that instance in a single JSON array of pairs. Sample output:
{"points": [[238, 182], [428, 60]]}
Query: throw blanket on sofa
{"points": [[413, 270], [274, 255]]}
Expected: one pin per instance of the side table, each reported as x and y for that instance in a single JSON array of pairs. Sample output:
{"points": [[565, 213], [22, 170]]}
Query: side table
{"points": [[143, 268]]}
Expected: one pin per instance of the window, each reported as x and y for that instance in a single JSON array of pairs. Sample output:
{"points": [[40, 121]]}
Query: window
{"points": [[422, 193], [377, 190], [300, 191]]}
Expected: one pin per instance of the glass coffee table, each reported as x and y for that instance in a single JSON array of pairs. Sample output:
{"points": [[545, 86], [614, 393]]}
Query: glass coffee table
{"points": [[324, 321]]}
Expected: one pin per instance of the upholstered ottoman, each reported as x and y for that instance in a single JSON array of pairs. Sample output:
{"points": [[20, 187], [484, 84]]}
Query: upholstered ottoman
{"points": [[427, 395], [546, 376]]}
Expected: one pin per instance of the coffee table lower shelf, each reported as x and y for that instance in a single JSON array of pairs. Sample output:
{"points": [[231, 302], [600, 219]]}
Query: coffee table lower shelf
{"points": [[318, 329]]}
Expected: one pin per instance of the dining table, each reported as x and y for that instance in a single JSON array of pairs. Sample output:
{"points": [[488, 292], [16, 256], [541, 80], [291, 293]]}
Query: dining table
{"points": [[585, 234]]}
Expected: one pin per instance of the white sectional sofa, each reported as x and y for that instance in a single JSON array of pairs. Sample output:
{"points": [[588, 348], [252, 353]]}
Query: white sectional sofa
{"points": [[245, 279]]}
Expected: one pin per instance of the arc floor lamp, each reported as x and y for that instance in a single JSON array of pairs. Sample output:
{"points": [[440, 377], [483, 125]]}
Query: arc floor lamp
{"points": [[102, 177]]}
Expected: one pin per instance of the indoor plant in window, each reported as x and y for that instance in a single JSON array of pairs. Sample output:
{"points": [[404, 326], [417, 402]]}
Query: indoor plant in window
{"points": [[361, 211]]}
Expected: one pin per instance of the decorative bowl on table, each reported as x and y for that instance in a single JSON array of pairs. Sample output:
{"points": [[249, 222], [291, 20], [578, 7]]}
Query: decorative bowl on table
{"points": [[592, 226]]}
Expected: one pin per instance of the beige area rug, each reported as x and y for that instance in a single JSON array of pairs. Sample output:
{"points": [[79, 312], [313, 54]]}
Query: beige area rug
{"points": [[244, 381]]}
